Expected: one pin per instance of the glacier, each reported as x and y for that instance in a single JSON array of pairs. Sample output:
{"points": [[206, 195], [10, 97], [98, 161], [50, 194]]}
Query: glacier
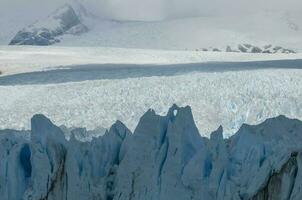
{"points": [[228, 98], [165, 158]]}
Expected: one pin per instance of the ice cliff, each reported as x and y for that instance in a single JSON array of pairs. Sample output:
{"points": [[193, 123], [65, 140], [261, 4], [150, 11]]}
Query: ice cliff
{"points": [[165, 158]]}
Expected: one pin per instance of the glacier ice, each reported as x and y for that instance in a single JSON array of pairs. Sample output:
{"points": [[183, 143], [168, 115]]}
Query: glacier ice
{"points": [[165, 158], [220, 98]]}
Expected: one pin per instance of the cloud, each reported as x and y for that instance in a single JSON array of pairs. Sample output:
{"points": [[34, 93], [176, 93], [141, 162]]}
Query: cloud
{"points": [[166, 9], [149, 10]]}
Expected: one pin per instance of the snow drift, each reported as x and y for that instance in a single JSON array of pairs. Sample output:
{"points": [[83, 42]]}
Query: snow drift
{"points": [[165, 158]]}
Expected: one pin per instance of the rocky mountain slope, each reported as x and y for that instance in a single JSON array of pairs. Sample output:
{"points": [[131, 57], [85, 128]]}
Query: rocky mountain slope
{"points": [[249, 48], [46, 31], [165, 158], [260, 32]]}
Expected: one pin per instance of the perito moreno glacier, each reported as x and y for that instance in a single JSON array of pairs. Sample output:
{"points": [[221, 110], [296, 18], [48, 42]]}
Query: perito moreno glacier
{"points": [[164, 159]]}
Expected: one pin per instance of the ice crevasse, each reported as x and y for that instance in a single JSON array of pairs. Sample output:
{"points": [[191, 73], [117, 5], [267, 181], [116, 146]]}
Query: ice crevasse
{"points": [[165, 158]]}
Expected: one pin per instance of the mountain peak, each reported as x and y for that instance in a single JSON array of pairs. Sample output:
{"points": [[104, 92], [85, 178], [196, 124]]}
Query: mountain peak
{"points": [[63, 20]]}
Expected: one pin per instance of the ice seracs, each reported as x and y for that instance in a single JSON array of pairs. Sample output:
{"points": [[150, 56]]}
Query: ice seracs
{"points": [[165, 158]]}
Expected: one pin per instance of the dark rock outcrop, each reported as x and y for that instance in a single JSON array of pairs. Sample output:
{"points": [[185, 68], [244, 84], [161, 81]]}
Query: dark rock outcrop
{"points": [[46, 32], [248, 48]]}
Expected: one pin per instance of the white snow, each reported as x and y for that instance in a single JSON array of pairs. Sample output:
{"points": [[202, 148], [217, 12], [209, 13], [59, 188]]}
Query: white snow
{"points": [[263, 27], [193, 33], [18, 59]]}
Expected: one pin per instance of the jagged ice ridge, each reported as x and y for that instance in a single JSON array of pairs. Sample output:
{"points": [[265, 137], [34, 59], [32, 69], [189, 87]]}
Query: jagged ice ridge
{"points": [[165, 158]]}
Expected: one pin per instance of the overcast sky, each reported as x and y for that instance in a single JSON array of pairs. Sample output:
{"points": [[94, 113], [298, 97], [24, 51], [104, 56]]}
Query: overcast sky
{"points": [[149, 9]]}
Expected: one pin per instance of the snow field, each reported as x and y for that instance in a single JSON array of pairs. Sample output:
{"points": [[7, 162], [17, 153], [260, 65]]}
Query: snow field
{"points": [[19, 59], [219, 98]]}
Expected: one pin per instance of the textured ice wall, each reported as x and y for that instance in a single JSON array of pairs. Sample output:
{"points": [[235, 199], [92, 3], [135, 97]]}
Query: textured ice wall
{"points": [[165, 158]]}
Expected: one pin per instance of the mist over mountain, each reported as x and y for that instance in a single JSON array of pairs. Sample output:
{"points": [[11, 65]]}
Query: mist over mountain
{"points": [[163, 24], [149, 10]]}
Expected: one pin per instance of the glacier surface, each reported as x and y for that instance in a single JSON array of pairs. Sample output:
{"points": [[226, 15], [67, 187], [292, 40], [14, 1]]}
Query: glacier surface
{"points": [[228, 98], [241, 88], [165, 158]]}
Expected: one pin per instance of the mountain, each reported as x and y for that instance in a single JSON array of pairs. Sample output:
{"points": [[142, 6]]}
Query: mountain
{"points": [[165, 158], [46, 32], [262, 28]]}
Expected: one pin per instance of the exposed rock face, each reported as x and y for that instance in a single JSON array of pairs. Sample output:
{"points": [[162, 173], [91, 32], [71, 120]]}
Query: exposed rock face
{"points": [[45, 32], [242, 48], [165, 158], [270, 49], [248, 48], [256, 50], [229, 49]]}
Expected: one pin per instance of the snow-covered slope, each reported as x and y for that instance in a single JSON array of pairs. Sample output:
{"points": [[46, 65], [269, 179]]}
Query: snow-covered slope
{"points": [[46, 31], [165, 158], [259, 28]]}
